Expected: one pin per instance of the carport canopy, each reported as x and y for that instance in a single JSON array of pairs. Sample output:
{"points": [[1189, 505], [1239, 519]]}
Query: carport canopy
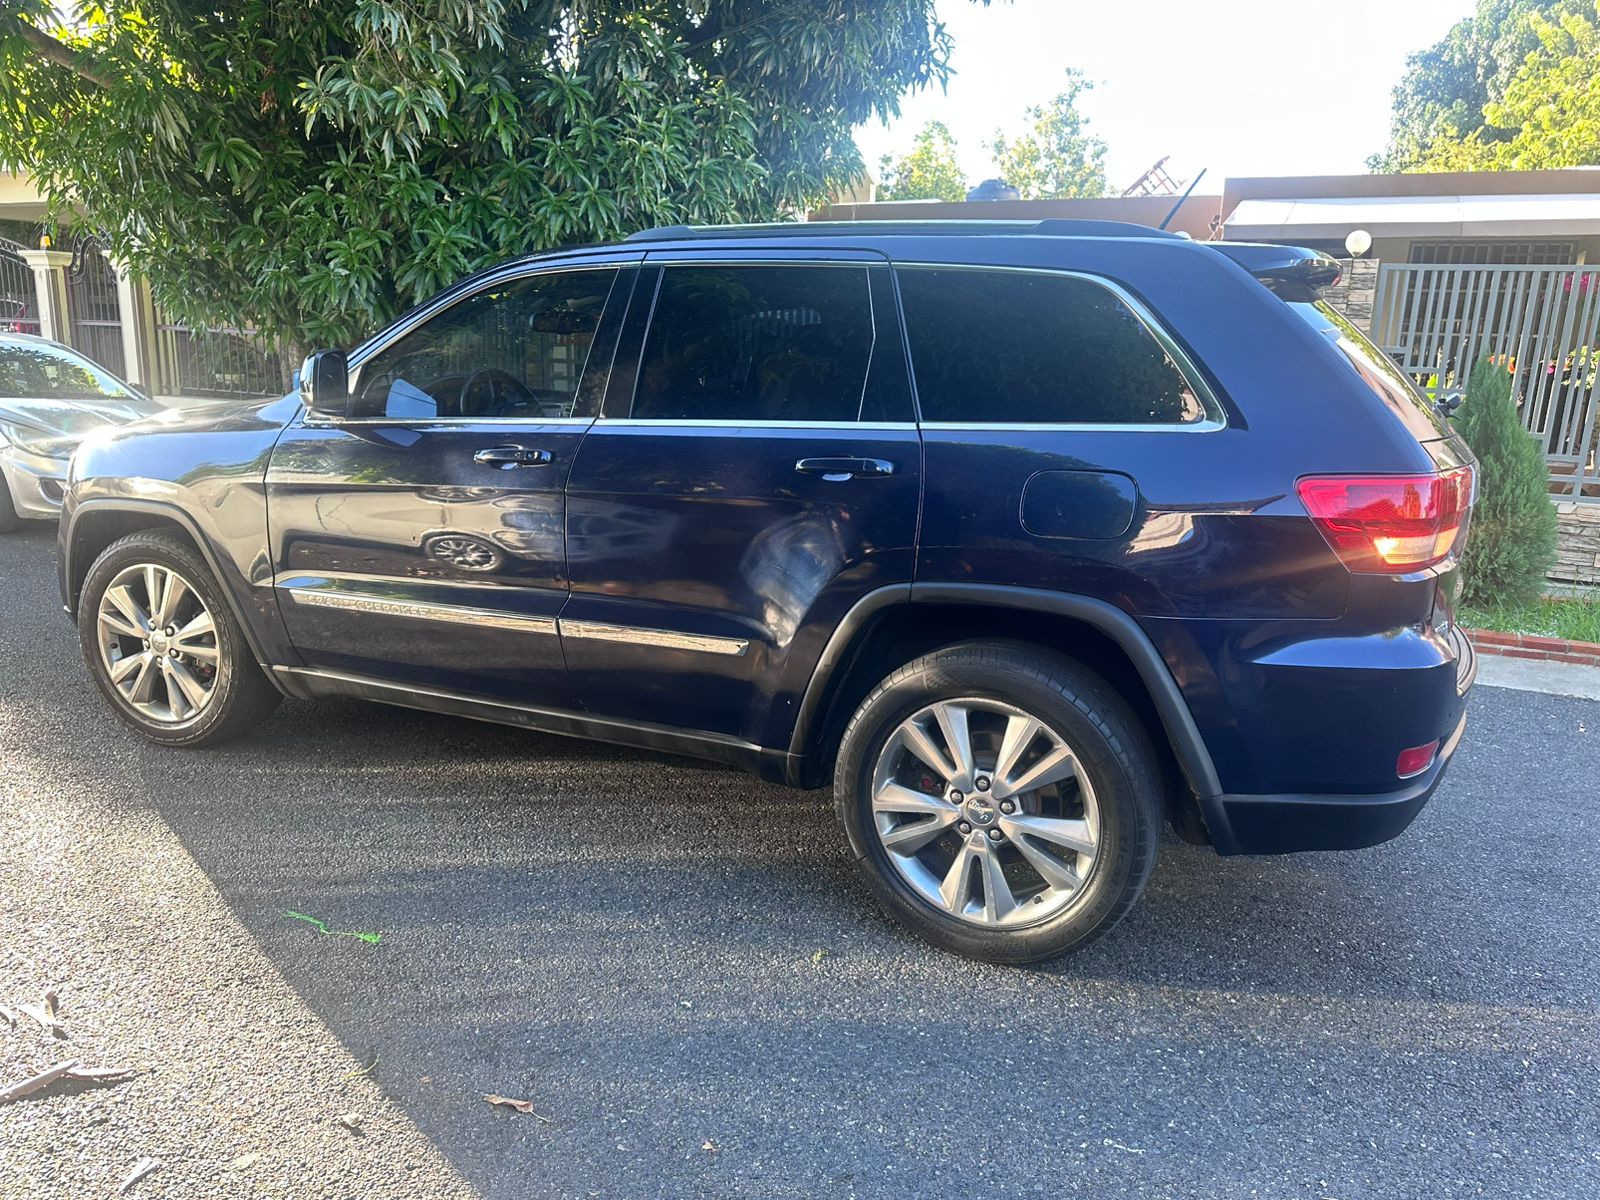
{"points": [[1415, 216]]}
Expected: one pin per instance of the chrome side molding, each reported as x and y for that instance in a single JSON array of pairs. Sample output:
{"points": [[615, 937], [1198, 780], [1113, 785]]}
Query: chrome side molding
{"points": [[666, 638], [462, 614]]}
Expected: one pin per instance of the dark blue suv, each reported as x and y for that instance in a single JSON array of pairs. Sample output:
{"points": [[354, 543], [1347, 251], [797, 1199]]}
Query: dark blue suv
{"points": [[1026, 538]]}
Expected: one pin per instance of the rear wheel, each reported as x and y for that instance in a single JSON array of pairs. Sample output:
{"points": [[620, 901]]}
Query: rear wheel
{"points": [[163, 647], [1003, 802]]}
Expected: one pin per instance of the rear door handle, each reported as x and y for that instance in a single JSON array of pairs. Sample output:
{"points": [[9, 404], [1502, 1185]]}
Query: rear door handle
{"points": [[845, 468], [509, 457]]}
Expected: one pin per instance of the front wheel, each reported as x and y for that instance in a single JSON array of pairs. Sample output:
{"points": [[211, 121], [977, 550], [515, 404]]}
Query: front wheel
{"points": [[1003, 802], [163, 647]]}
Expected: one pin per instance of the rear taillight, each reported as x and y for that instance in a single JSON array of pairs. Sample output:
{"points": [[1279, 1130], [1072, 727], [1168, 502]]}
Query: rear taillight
{"points": [[1388, 524]]}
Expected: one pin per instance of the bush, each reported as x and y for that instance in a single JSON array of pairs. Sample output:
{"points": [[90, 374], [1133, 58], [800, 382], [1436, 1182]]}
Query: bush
{"points": [[1512, 540]]}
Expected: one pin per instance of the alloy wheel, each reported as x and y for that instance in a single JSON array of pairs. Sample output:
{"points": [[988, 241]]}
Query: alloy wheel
{"points": [[987, 813], [158, 643]]}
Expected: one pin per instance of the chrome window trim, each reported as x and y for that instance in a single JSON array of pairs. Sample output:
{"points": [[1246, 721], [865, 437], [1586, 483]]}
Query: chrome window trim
{"points": [[707, 423], [418, 609], [1206, 425], [1215, 420], [600, 631], [465, 423]]}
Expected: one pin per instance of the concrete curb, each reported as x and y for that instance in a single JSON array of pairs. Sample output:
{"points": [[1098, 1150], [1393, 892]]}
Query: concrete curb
{"points": [[1533, 646]]}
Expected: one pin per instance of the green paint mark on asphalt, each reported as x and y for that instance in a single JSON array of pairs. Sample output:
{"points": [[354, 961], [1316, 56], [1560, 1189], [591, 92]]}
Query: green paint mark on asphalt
{"points": [[373, 938]]}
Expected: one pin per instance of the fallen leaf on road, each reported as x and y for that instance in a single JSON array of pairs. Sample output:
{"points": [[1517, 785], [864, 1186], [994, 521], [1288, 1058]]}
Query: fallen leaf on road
{"points": [[322, 926], [52, 1000], [351, 1121], [34, 1082], [69, 1071], [708, 1146], [101, 1074], [248, 1159], [45, 1018], [522, 1106], [816, 959], [140, 1169]]}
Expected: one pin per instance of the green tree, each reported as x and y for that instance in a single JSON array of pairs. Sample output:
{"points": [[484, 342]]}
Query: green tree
{"points": [[928, 171], [1550, 113], [1441, 97], [1056, 157], [312, 169], [1512, 538]]}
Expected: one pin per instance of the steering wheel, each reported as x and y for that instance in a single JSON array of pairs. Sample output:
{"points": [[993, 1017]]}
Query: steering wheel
{"points": [[502, 389]]}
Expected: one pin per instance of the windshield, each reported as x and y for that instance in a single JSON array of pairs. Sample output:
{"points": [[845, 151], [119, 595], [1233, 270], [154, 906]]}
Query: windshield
{"points": [[37, 371], [1376, 369]]}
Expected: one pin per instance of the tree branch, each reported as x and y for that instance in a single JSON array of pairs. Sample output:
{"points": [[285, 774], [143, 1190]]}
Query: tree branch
{"points": [[61, 54]]}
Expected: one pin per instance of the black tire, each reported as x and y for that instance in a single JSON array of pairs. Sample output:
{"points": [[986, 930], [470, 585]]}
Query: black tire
{"points": [[1101, 730], [10, 522], [242, 696]]}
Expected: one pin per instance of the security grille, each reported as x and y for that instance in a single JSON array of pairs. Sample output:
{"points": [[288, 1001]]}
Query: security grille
{"points": [[1494, 254], [220, 362], [94, 306], [19, 299]]}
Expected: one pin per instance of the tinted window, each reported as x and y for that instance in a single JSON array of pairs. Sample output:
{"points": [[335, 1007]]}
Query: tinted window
{"points": [[515, 349], [757, 344], [1012, 346], [37, 371]]}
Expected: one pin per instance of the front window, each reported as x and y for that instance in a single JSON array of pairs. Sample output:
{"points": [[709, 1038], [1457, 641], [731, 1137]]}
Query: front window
{"points": [[516, 349]]}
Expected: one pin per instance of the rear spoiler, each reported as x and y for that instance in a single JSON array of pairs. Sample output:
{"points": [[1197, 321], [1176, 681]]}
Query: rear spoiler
{"points": [[1292, 272]]}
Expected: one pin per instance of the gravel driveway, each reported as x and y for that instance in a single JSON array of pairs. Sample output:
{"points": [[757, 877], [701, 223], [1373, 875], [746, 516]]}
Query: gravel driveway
{"points": [[677, 966]]}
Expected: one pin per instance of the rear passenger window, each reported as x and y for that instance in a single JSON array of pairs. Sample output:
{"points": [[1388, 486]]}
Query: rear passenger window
{"points": [[1018, 347], [730, 343]]}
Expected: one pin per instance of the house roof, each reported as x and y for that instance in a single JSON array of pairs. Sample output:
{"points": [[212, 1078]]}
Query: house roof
{"points": [[1465, 216]]}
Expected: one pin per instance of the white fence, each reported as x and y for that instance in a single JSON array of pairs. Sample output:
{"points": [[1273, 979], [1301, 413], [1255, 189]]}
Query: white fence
{"points": [[1541, 324]]}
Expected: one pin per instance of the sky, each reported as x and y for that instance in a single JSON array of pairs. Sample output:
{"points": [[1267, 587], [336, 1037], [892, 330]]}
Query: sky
{"points": [[1243, 87]]}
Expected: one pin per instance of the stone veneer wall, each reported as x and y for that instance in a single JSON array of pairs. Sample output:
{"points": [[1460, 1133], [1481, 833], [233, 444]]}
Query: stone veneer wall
{"points": [[1578, 551], [1355, 292]]}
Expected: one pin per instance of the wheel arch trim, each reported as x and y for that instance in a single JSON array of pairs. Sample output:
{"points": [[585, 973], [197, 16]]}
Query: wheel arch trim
{"points": [[1194, 759], [71, 578]]}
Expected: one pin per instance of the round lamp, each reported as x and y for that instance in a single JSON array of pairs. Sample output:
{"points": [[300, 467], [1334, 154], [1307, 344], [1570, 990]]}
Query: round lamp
{"points": [[1358, 242]]}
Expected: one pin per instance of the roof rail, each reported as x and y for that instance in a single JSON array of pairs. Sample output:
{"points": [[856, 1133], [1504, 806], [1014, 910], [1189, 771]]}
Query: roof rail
{"points": [[1049, 227]]}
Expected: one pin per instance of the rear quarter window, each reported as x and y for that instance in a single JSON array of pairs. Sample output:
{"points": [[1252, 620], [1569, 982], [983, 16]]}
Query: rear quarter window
{"points": [[1027, 347]]}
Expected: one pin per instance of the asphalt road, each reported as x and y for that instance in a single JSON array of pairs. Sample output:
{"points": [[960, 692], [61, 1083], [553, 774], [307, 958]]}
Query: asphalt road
{"points": [[677, 965]]}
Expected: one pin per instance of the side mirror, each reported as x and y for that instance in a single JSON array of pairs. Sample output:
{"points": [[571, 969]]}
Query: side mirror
{"points": [[325, 383]]}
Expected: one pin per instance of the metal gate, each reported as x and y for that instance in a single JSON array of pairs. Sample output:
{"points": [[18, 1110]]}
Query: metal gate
{"points": [[19, 298], [1541, 324], [95, 308]]}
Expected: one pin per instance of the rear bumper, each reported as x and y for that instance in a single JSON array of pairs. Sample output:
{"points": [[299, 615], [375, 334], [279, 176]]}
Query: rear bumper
{"points": [[1284, 824]]}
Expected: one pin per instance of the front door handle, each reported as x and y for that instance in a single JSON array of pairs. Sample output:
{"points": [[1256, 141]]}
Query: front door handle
{"points": [[837, 469], [510, 457]]}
